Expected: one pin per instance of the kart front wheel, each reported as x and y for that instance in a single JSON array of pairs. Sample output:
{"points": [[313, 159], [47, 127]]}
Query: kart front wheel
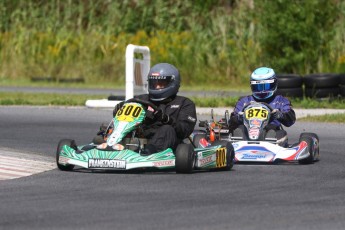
{"points": [[184, 158], [230, 154], [63, 142], [308, 138]]}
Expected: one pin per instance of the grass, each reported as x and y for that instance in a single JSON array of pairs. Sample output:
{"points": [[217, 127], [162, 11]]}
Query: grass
{"points": [[26, 98], [333, 118], [46, 99]]}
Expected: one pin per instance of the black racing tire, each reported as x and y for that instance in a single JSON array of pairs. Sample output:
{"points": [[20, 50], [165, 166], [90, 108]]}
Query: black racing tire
{"points": [[184, 158], [342, 79], [317, 150], [197, 138], [289, 80], [309, 139], [291, 92], [309, 134], [63, 142], [342, 90], [325, 80], [230, 154], [322, 92]]}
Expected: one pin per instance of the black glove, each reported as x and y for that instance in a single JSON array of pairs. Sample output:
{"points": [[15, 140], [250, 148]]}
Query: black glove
{"points": [[277, 115], [240, 118], [162, 117], [102, 130], [234, 121], [117, 107]]}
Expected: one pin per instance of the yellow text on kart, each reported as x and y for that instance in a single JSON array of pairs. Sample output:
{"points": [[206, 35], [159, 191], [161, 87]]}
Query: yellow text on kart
{"points": [[256, 113], [129, 112]]}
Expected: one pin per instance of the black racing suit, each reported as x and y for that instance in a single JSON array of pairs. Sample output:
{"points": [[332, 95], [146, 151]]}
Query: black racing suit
{"points": [[182, 113]]}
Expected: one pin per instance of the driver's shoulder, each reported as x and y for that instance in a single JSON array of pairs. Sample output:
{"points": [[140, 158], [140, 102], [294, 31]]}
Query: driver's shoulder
{"points": [[182, 100], [245, 99], [281, 98]]}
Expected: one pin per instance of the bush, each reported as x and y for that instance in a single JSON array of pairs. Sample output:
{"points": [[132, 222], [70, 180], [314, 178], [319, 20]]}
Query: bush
{"points": [[295, 35]]}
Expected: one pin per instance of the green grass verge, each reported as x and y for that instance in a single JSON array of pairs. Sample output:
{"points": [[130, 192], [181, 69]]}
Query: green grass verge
{"points": [[333, 118], [21, 98], [47, 99]]}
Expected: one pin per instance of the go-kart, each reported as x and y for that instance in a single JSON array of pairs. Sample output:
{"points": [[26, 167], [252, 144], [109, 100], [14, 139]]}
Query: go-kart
{"points": [[253, 143], [123, 144]]}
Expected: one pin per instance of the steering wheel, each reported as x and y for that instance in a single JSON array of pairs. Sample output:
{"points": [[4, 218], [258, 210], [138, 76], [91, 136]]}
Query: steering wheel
{"points": [[143, 102]]}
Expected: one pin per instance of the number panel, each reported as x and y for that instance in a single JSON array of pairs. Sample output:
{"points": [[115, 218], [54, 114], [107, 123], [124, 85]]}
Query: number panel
{"points": [[221, 157], [129, 112], [256, 113]]}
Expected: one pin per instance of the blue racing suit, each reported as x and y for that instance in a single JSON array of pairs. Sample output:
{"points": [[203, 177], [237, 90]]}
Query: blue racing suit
{"points": [[276, 102]]}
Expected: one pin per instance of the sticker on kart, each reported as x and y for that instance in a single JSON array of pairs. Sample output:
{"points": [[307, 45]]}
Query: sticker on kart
{"points": [[106, 163]]}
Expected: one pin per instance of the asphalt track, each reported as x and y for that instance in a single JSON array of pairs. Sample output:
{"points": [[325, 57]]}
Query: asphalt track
{"points": [[287, 196]]}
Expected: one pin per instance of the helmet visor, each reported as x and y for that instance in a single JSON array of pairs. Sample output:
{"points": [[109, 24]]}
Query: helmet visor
{"points": [[263, 86], [159, 82]]}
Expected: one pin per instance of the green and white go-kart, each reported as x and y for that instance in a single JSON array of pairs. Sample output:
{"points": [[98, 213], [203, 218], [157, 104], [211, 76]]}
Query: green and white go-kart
{"points": [[123, 145]]}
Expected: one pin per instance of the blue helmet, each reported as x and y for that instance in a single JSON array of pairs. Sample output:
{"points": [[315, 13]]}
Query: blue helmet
{"points": [[263, 83], [164, 81]]}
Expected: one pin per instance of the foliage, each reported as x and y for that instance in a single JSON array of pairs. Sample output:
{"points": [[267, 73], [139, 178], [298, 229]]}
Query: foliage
{"points": [[295, 34], [212, 42]]}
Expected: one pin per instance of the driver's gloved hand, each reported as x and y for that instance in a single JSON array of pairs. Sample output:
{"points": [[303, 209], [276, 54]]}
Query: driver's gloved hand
{"points": [[240, 118], [102, 130], [117, 107], [277, 115], [235, 120], [162, 117]]}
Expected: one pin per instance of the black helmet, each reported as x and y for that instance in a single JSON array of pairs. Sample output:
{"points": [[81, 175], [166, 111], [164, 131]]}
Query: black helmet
{"points": [[164, 81]]}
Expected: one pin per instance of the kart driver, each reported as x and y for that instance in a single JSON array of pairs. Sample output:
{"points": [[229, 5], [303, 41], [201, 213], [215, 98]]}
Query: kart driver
{"points": [[263, 82], [176, 115]]}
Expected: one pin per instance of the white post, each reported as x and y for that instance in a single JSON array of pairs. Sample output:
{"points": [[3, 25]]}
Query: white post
{"points": [[136, 78], [130, 65]]}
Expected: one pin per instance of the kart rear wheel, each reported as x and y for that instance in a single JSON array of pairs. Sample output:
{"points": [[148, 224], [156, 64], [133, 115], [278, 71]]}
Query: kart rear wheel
{"points": [[197, 138], [184, 158], [63, 142], [230, 154], [310, 142], [316, 145]]}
